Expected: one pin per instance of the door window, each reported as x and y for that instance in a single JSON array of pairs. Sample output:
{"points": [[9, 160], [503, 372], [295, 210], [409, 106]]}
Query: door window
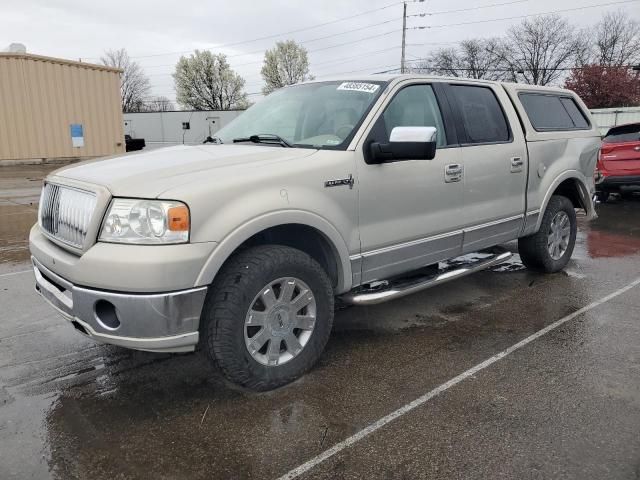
{"points": [[482, 115], [414, 106]]}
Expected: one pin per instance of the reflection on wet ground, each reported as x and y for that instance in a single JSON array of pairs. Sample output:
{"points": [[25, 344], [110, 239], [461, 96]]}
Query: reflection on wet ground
{"points": [[19, 194], [615, 235], [566, 406]]}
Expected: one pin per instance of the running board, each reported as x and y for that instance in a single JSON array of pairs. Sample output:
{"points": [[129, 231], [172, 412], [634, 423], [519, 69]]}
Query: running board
{"points": [[393, 289]]}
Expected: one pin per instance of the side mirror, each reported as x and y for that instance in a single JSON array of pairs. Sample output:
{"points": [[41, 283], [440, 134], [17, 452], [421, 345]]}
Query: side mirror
{"points": [[406, 143]]}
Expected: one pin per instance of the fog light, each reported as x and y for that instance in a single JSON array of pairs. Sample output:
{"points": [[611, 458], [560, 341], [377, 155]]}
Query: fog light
{"points": [[106, 315]]}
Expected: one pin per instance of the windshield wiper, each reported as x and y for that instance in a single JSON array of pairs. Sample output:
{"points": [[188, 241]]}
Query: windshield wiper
{"points": [[214, 139], [269, 138]]}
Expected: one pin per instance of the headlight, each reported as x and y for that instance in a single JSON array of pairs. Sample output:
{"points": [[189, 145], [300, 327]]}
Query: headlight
{"points": [[144, 222]]}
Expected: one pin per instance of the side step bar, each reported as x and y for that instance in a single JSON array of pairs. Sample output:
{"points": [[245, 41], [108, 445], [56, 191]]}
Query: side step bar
{"points": [[392, 289]]}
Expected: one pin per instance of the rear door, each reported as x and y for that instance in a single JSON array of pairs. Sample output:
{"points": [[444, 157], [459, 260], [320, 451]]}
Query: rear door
{"points": [[620, 152], [494, 157]]}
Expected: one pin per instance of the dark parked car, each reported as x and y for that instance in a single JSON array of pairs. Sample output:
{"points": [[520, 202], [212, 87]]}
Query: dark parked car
{"points": [[133, 144], [619, 160]]}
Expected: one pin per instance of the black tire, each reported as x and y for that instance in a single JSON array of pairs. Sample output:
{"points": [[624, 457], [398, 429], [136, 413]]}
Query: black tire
{"points": [[230, 297], [533, 249], [602, 196]]}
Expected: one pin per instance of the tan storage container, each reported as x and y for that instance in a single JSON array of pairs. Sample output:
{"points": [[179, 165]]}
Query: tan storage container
{"points": [[58, 109]]}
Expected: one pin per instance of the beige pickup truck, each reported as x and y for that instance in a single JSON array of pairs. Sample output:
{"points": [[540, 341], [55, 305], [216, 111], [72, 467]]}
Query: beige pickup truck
{"points": [[352, 188]]}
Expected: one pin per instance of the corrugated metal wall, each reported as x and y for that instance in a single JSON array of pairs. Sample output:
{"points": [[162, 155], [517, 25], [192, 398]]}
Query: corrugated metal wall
{"points": [[41, 97], [166, 127], [606, 118]]}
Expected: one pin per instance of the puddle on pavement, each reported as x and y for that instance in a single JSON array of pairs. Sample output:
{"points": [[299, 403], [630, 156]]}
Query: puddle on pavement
{"points": [[15, 223], [512, 264], [616, 231]]}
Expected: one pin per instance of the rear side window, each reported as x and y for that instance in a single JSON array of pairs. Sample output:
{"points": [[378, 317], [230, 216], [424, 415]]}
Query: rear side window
{"points": [[578, 118], [625, 133], [482, 115], [553, 112]]}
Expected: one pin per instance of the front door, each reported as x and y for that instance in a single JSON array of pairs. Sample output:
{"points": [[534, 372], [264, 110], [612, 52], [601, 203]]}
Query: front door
{"points": [[409, 211]]}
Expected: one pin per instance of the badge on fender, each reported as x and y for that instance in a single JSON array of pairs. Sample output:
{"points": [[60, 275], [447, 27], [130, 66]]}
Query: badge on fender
{"points": [[339, 182]]}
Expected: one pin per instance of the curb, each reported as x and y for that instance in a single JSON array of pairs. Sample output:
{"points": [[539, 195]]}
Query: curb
{"points": [[38, 161]]}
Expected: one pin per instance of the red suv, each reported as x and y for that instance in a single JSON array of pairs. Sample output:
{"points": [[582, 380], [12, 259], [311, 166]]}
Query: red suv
{"points": [[619, 160]]}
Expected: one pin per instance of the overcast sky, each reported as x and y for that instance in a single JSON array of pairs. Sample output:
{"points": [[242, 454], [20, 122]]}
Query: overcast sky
{"points": [[157, 32]]}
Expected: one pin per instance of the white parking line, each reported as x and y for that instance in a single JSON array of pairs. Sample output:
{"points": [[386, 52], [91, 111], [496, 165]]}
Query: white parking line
{"points": [[15, 273], [338, 447]]}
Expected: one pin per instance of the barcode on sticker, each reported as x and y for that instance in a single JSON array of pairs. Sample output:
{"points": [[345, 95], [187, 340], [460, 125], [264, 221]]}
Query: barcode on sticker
{"points": [[359, 87]]}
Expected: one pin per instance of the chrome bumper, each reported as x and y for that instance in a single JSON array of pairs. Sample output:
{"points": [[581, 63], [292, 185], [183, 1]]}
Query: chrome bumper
{"points": [[164, 322]]}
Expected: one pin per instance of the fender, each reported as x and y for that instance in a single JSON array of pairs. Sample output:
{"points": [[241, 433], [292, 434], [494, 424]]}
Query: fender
{"points": [[237, 237], [583, 190]]}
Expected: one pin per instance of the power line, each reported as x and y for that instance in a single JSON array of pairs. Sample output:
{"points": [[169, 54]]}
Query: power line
{"points": [[379, 35], [523, 16], [287, 33], [302, 42], [354, 57], [266, 37], [516, 70], [479, 7], [311, 50], [419, 27]]}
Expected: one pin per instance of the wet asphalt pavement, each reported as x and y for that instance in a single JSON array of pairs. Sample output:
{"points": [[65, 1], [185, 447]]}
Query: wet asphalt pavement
{"points": [[565, 405]]}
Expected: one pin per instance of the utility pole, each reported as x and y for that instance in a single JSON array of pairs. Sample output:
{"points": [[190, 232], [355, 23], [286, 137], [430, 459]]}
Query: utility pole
{"points": [[404, 34]]}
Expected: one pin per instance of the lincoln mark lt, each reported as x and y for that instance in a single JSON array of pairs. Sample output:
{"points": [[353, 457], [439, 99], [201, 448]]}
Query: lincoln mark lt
{"points": [[356, 189]]}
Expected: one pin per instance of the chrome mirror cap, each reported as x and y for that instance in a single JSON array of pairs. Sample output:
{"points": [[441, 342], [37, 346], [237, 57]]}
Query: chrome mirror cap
{"points": [[414, 134]]}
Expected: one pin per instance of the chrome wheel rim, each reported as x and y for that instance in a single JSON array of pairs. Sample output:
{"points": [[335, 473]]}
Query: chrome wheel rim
{"points": [[559, 234], [280, 321]]}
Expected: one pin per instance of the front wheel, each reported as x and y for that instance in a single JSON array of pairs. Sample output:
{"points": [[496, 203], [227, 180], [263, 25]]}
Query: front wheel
{"points": [[268, 316], [550, 248]]}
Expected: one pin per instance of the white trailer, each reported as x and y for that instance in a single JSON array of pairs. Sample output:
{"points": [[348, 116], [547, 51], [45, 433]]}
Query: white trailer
{"points": [[188, 127]]}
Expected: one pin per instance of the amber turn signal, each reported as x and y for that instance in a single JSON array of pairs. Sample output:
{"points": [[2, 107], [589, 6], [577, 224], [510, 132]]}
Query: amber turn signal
{"points": [[178, 219]]}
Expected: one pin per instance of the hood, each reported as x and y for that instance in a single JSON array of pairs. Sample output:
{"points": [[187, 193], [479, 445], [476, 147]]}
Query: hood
{"points": [[148, 174]]}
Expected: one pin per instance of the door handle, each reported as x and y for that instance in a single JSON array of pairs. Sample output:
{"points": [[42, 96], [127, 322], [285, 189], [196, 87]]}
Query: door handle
{"points": [[516, 164], [453, 173]]}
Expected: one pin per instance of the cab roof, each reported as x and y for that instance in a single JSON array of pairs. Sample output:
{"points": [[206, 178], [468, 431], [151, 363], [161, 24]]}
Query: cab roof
{"points": [[396, 77]]}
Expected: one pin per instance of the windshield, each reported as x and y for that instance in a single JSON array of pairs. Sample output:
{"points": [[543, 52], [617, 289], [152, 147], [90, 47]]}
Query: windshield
{"points": [[318, 115]]}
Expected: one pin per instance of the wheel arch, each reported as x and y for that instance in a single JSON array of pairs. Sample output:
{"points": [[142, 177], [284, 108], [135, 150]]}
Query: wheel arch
{"points": [[572, 185], [302, 230]]}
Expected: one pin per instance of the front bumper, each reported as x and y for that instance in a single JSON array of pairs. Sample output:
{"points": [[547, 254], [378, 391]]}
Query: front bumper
{"points": [[160, 322]]}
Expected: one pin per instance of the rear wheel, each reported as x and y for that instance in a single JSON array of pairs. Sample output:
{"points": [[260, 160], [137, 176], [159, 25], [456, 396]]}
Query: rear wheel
{"points": [[550, 248], [268, 316]]}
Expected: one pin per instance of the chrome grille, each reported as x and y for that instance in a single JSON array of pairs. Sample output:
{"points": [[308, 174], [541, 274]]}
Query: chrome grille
{"points": [[65, 213]]}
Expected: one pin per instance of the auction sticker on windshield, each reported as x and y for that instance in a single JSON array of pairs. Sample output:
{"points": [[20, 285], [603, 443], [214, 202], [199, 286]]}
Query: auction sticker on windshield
{"points": [[359, 87]]}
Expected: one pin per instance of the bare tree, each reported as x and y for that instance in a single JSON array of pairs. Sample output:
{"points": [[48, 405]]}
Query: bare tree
{"points": [[537, 50], [134, 84], [285, 64], [205, 81], [617, 40], [473, 58], [158, 104]]}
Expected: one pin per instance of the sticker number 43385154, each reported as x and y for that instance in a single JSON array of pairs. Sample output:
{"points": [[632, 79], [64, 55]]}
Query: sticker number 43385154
{"points": [[359, 87]]}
